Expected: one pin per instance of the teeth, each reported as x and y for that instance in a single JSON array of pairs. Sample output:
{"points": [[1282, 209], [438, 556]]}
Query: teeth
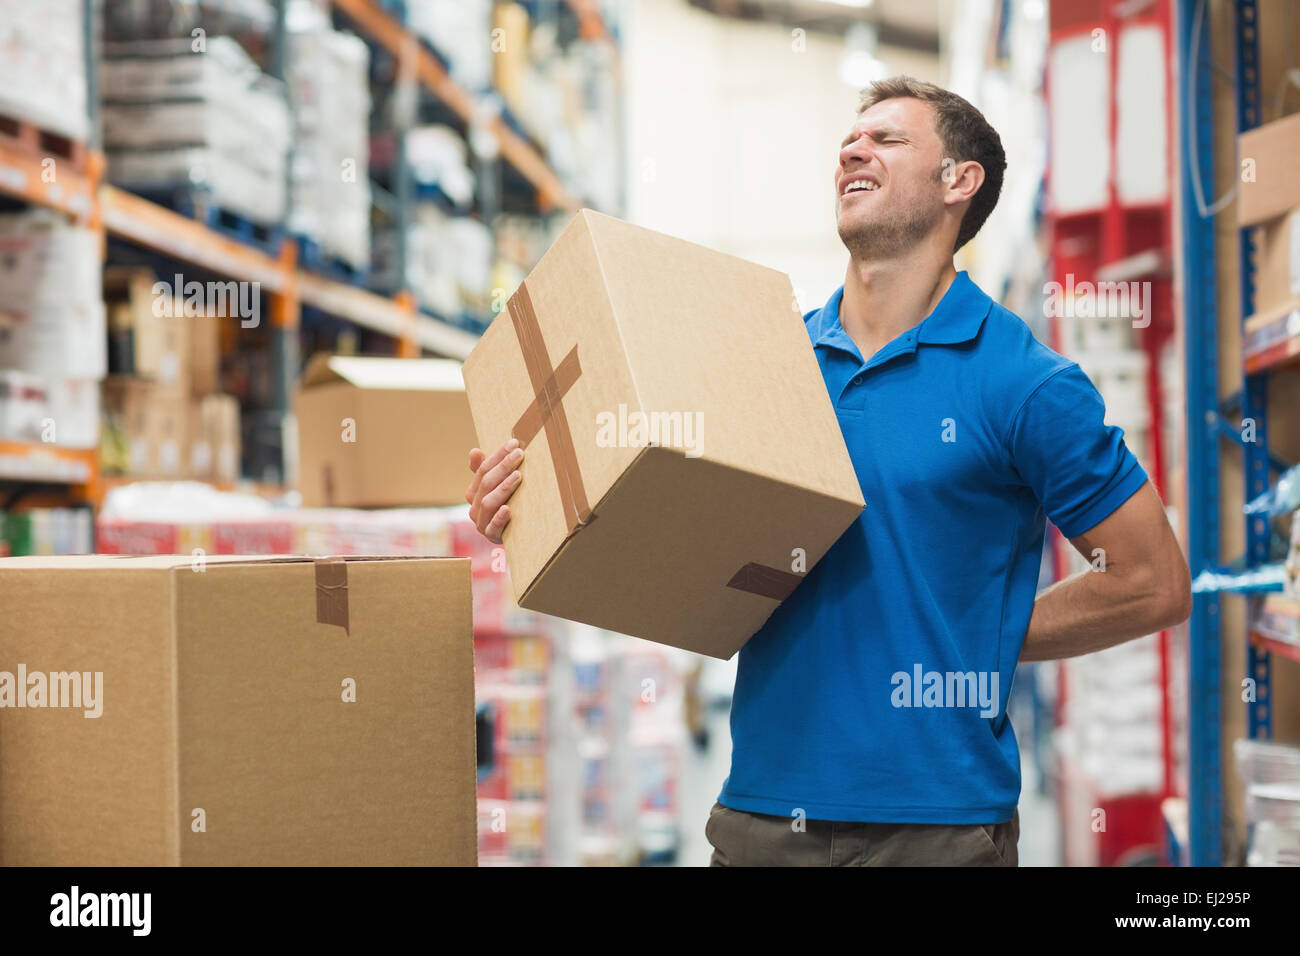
{"points": [[860, 184]]}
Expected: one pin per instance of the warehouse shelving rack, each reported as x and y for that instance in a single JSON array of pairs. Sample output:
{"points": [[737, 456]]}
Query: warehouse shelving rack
{"points": [[1122, 240], [1208, 422], [114, 212]]}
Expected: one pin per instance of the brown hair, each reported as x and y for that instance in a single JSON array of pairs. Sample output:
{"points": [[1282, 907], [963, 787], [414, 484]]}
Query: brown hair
{"points": [[965, 134]]}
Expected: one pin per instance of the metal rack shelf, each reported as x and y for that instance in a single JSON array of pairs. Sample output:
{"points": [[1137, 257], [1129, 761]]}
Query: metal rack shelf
{"points": [[389, 33], [1270, 343]]}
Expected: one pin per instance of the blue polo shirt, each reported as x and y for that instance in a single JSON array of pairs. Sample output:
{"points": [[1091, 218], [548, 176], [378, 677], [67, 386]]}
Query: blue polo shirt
{"points": [[877, 691]]}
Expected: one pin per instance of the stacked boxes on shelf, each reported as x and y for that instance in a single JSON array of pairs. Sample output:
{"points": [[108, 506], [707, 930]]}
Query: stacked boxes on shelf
{"points": [[52, 339], [207, 121], [43, 65], [330, 93], [164, 415]]}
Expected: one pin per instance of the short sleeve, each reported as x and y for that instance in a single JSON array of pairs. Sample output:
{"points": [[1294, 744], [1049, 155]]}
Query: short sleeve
{"points": [[1077, 465]]}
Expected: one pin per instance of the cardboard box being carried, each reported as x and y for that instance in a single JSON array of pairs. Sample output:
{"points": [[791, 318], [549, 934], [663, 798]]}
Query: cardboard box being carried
{"points": [[382, 432], [684, 466], [246, 711]]}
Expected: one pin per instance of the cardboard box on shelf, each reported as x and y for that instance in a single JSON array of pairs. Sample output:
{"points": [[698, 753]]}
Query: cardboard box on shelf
{"points": [[684, 465], [144, 341], [1272, 188], [145, 428], [214, 438], [251, 664], [382, 432], [1277, 262], [205, 353]]}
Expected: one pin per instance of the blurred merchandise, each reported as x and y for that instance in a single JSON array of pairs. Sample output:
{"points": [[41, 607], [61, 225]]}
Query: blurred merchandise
{"points": [[460, 34], [43, 65], [145, 430], [1271, 773], [250, 20], [206, 120], [439, 159], [268, 447], [448, 262], [329, 93], [51, 305], [36, 531], [214, 438]]}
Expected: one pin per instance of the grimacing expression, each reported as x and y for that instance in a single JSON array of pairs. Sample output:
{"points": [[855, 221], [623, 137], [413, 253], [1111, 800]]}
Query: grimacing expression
{"points": [[889, 179]]}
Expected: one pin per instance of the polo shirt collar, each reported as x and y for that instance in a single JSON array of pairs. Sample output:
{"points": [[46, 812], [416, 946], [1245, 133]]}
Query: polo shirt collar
{"points": [[956, 319], [958, 316]]}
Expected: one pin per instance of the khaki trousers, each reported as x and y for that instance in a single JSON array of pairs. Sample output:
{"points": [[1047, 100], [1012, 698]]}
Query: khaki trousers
{"points": [[741, 838]]}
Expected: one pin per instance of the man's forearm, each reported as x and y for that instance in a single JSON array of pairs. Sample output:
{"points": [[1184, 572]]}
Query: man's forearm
{"points": [[1091, 611]]}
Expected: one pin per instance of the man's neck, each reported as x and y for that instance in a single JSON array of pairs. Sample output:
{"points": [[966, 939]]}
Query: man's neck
{"points": [[883, 298]]}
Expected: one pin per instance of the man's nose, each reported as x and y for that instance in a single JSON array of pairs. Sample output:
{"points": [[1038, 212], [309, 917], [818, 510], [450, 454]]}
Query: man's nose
{"points": [[856, 152]]}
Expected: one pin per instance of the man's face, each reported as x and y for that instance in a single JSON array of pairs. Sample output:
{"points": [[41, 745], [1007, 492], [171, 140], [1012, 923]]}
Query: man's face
{"points": [[889, 183]]}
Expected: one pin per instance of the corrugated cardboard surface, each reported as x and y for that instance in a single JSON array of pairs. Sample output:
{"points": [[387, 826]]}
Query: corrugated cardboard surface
{"points": [[1275, 188], [223, 692], [656, 561], [573, 309], [89, 792], [729, 343], [662, 325], [412, 444]]}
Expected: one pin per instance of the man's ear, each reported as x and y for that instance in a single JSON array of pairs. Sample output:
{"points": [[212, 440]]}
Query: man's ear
{"points": [[962, 180]]}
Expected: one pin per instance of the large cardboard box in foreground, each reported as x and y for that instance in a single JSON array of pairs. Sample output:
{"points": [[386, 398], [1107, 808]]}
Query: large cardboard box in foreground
{"points": [[683, 466], [244, 711], [382, 432]]}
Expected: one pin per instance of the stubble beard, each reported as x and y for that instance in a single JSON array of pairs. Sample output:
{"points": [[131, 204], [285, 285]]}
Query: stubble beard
{"points": [[890, 237]]}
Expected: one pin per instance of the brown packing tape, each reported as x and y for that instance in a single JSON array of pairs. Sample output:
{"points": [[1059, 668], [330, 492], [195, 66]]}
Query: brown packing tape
{"points": [[766, 582], [546, 412], [332, 592]]}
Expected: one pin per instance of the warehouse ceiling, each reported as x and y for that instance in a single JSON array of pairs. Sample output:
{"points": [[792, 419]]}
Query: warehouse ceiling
{"points": [[912, 24]]}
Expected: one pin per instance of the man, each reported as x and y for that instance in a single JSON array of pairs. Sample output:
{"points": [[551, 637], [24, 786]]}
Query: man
{"points": [[869, 719]]}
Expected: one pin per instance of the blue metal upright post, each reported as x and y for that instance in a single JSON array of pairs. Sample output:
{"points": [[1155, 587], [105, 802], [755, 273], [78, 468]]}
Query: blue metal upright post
{"points": [[1200, 290], [1254, 391]]}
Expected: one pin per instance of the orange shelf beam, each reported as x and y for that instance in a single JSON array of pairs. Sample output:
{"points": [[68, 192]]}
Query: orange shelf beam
{"points": [[154, 227], [48, 464], [24, 177]]}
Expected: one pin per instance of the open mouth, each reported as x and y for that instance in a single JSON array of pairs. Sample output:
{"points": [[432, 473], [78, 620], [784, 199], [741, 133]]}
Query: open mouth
{"points": [[859, 186]]}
